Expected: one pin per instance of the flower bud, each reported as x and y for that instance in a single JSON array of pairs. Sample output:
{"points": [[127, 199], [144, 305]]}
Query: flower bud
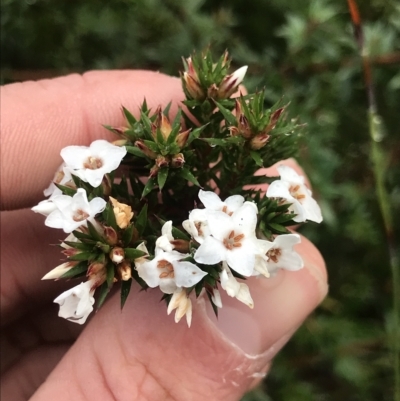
{"points": [[180, 245], [117, 255], [120, 142], [162, 161], [177, 161], [70, 251], [154, 171], [125, 270], [123, 213], [110, 235], [106, 184], [182, 138], [259, 141], [231, 82], [145, 149], [97, 273], [192, 86], [58, 271]]}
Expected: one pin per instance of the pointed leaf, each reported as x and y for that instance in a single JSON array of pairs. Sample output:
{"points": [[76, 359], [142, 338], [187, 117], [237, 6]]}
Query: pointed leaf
{"points": [[256, 157], [133, 253], [76, 270], [125, 289], [229, 117], [187, 175], [129, 117], [150, 185], [133, 150], [141, 220], [162, 177]]}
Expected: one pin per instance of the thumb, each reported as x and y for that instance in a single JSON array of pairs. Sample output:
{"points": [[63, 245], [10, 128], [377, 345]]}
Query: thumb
{"points": [[141, 354]]}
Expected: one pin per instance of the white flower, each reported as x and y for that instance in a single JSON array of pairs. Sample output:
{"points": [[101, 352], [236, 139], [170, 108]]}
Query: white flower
{"points": [[62, 177], [233, 288], [279, 254], [232, 239], [168, 271], [183, 305], [45, 207], [91, 163], [291, 187], [197, 225], [72, 212], [164, 242], [212, 201], [77, 303]]}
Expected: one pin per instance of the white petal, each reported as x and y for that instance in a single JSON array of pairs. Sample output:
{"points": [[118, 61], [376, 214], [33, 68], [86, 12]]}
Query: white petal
{"points": [[216, 298], [168, 285], [245, 218], [97, 205], [297, 208], [80, 201], [164, 243], [167, 230], [241, 260], [279, 189], [234, 202], [287, 240], [187, 274], [149, 273], [210, 200], [75, 156], [93, 177], [210, 252], [76, 303], [220, 225], [312, 209], [45, 207], [239, 74], [289, 175]]}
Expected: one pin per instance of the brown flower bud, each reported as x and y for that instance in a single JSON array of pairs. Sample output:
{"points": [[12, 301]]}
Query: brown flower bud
{"points": [[182, 138], [145, 149], [106, 184], [162, 161], [125, 270], [177, 161], [259, 141], [70, 251], [193, 86], [180, 245], [117, 255], [97, 272], [154, 171], [110, 235]]}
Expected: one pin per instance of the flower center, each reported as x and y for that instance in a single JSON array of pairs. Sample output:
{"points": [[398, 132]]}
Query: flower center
{"points": [[273, 254], [225, 210], [233, 241], [167, 269], [93, 163], [80, 215], [295, 192]]}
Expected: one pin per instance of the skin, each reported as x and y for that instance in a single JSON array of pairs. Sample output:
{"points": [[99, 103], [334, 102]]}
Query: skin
{"points": [[139, 353]]}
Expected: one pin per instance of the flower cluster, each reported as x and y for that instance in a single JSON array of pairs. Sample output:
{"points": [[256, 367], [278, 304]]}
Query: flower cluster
{"points": [[134, 213]]}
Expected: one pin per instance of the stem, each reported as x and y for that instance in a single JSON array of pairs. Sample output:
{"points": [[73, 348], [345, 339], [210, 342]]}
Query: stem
{"points": [[379, 166]]}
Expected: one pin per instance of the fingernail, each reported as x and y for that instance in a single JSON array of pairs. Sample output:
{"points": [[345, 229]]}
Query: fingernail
{"points": [[281, 304]]}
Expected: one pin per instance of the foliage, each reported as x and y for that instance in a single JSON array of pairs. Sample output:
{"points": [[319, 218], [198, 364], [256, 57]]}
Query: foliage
{"points": [[305, 52]]}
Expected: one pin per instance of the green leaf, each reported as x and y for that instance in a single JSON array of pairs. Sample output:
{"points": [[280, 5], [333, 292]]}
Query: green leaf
{"points": [[256, 157], [150, 185], [107, 285], [129, 116], [109, 216], [162, 177], [132, 253], [76, 270], [227, 114], [128, 234], [186, 174], [66, 190], [81, 236], [89, 256], [93, 232], [125, 289], [133, 150], [141, 220]]}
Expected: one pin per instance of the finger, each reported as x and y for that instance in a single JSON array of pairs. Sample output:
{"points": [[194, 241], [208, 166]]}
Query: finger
{"points": [[141, 354], [40, 118], [26, 256]]}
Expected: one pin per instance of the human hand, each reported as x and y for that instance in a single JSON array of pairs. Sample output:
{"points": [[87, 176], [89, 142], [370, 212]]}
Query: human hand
{"points": [[139, 353]]}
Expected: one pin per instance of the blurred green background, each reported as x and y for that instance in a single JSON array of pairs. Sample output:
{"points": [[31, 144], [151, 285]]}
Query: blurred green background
{"points": [[304, 51]]}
